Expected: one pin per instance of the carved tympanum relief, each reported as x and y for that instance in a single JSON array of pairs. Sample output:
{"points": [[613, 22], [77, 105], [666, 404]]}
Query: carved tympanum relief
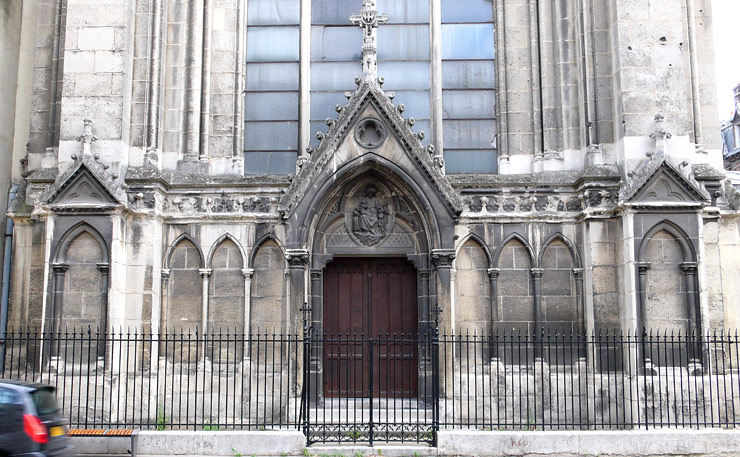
{"points": [[370, 217]]}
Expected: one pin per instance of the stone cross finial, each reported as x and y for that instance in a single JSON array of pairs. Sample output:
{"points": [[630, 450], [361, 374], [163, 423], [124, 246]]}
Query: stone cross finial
{"points": [[368, 19], [660, 135], [87, 138]]}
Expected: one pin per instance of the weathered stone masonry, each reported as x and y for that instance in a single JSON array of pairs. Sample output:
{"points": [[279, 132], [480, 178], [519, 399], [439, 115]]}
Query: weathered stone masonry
{"points": [[134, 208]]}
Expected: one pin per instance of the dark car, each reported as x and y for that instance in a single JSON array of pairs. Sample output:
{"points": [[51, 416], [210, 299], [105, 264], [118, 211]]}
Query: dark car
{"points": [[30, 423]]}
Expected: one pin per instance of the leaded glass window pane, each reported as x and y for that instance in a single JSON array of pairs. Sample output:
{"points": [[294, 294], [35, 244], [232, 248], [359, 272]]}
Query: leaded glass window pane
{"points": [[334, 75], [333, 11], [468, 83], [272, 44], [471, 161], [272, 76], [468, 104], [405, 75], [469, 74], [336, 44], [467, 41], [271, 136], [274, 12], [467, 11], [274, 106], [405, 11], [469, 134], [403, 42]]}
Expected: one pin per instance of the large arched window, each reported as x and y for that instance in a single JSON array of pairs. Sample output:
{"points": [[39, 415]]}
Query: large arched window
{"points": [[406, 61]]}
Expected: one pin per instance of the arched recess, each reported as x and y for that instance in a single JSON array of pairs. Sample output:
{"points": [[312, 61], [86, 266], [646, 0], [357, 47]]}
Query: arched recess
{"points": [[666, 270], [226, 302], [267, 296], [515, 299], [474, 310], [562, 310], [183, 303], [81, 266]]}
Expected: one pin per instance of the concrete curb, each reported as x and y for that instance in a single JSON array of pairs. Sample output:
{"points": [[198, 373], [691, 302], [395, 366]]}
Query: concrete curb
{"points": [[109, 445], [590, 443], [230, 443], [450, 444]]}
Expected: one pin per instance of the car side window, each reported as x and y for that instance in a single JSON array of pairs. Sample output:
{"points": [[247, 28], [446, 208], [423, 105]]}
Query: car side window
{"points": [[7, 400]]}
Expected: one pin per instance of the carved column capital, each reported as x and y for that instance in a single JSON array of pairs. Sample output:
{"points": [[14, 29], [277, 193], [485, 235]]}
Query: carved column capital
{"points": [[104, 268], [643, 267], [425, 274], [536, 273], [205, 273], [443, 258], [297, 258], [166, 273], [578, 273], [248, 273], [689, 267], [493, 273], [60, 268], [316, 275]]}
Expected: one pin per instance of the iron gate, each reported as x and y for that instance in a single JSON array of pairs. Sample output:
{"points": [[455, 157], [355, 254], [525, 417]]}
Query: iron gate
{"points": [[367, 388]]}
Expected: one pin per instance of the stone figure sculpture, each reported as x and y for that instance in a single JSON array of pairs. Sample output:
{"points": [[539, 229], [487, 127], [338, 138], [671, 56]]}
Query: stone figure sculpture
{"points": [[370, 218]]}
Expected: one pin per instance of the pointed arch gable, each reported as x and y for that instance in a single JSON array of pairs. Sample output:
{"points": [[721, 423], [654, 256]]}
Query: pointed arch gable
{"points": [[528, 247], [478, 240], [260, 242], [217, 244], [176, 243], [687, 248], [60, 255], [311, 206], [571, 247]]}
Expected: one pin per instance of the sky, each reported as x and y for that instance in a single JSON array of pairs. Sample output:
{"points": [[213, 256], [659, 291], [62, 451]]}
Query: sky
{"points": [[727, 55]]}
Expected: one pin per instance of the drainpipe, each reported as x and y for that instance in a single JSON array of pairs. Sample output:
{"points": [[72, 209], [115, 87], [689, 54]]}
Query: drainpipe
{"points": [[6, 278]]}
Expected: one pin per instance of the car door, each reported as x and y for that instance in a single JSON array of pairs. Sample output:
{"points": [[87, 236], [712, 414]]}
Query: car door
{"points": [[11, 426]]}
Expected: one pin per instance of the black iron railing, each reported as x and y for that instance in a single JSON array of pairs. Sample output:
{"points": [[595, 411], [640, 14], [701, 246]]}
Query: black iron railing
{"points": [[383, 387]]}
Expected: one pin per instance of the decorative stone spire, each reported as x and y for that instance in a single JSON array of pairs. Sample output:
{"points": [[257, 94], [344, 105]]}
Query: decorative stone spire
{"points": [[660, 135], [87, 138], [368, 19]]}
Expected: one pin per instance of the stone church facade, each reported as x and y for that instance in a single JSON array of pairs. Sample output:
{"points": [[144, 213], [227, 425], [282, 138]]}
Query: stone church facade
{"points": [[524, 164]]}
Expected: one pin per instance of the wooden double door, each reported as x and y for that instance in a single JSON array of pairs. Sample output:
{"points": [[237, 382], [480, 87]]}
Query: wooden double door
{"points": [[370, 328]]}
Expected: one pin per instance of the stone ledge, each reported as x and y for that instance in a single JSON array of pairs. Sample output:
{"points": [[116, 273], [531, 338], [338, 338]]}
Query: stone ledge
{"points": [[590, 443], [228, 443]]}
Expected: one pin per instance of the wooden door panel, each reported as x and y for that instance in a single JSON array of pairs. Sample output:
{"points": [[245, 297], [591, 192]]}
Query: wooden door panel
{"points": [[370, 298]]}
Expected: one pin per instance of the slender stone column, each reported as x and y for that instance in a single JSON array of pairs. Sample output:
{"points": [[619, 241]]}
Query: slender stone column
{"points": [[205, 273], [437, 109], [60, 271], [493, 274], [642, 269], [317, 304], [154, 88], [164, 307], [442, 262], [689, 273], [248, 273], [297, 265], [537, 291], [104, 270], [424, 304], [580, 308]]}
